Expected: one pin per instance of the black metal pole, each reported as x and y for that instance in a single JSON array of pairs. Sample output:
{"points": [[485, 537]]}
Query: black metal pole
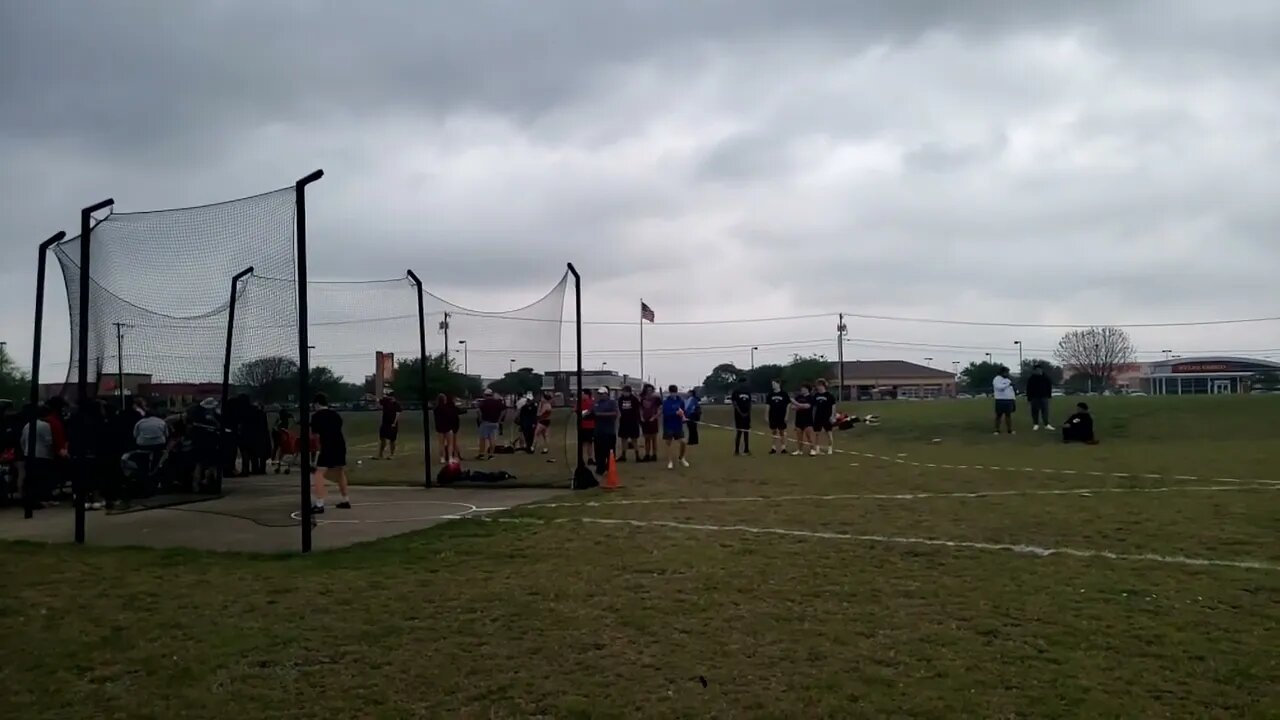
{"points": [[422, 379], [582, 477], [231, 323], [28, 497], [304, 361], [80, 472]]}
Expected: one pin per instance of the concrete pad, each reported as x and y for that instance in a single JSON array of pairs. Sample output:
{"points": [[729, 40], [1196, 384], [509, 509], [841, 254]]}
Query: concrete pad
{"points": [[260, 515]]}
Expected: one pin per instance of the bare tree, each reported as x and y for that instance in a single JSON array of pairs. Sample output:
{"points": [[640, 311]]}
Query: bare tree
{"points": [[1098, 352], [267, 376]]}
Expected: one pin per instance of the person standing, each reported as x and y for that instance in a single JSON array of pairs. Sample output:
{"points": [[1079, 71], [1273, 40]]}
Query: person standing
{"points": [[779, 403], [448, 419], [824, 410], [543, 431], [527, 416], [605, 412], [628, 423], [673, 427], [35, 466], [587, 429], [741, 399], [693, 414], [326, 423], [492, 412], [1039, 390], [389, 428], [803, 403], [1006, 399], [650, 413]]}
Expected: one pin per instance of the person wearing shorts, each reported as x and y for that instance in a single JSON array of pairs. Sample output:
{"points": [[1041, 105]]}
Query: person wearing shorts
{"points": [[803, 403], [326, 424], [605, 414], [492, 410], [779, 403], [542, 433], [389, 428], [1006, 399], [741, 398], [824, 410], [587, 428], [650, 414], [448, 419], [673, 427], [628, 424]]}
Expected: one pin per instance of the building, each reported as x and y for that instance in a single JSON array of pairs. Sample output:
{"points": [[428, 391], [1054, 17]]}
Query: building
{"points": [[889, 379], [1217, 375], [561, 383]]}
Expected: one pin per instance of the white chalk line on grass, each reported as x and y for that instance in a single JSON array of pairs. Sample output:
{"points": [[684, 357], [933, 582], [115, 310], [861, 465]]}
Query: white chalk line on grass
{"points": [[1050, 471], [1021, 549], [901, 496]]}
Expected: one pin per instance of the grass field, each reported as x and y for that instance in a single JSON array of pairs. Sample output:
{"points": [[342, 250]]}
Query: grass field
{"points": [[977, 576]]}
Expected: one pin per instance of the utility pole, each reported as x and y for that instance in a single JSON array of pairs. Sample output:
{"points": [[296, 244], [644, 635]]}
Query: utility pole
{"points": [[444, 328], [465, 370], [753, 357], [840, 331], [120, 361], [1019, 344]]}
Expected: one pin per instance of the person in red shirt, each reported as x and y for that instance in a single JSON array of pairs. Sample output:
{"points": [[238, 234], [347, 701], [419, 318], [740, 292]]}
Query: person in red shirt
{"points": [[587, 434], [492, 410]]}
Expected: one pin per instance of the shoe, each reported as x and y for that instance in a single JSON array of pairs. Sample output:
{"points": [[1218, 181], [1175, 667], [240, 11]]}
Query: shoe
{"points": [[1048, 427], [344, 506], [545, 450], [670, 465], [996, 433], [1035, 428], [813, 453], [684, 463], [830, 450], [773, 451], [317, 509], [796, 453]]}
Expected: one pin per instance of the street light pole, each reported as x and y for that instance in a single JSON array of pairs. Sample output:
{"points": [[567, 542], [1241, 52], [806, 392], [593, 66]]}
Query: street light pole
{"points": [[753, 357], [511, 365], [988, 357], [1019, 344], [928, 362], [465, 370]]}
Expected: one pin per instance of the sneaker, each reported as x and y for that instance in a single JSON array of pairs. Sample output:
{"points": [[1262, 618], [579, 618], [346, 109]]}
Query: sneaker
{"points": [[344, 505], [1035, 428], [831, 450], [773, 451], [670, 465], [684, 463], [813, 453], [1047, 426], [795, 453], [996, 433], [317, 509]]}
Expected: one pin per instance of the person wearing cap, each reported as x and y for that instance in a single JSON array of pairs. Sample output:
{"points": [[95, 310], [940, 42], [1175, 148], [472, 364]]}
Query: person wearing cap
{"points": [[389, 429], [605, 412], [492, 410]]}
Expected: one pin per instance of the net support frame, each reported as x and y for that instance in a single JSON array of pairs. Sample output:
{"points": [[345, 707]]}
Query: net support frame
{"points": [[304, 364], [583, 478], [42, 262], [422, 381], [80, 475]]}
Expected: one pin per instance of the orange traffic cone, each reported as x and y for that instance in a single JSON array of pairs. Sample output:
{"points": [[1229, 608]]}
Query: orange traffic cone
{"points": [[611, 476]]}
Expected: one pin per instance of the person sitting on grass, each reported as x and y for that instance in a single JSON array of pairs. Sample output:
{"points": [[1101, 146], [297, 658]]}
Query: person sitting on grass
{"points": [[1079, 427]]}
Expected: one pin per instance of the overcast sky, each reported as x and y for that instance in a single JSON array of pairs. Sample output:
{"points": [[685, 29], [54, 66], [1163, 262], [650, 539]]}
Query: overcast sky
{"points": [[1039, 162]]}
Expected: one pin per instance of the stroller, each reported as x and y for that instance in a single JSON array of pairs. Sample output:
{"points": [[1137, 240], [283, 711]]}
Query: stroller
{"points": [[288, 449]]}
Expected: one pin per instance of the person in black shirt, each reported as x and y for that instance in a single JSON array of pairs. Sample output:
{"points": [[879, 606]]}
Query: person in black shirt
{"points": [[1039, 389], [628, 423], [779, 403], [803, 403], [741, 420], [326, 424], [389, 428], [1079, 427], [824, 410]]}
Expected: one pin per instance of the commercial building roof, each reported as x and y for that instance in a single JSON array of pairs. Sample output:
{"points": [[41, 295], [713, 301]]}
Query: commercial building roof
{"points": [[874, 370]]}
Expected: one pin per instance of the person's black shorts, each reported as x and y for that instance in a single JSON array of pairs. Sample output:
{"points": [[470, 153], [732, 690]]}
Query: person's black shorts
{"points": [[776, 423], [742, 423], [821, 425], [649, 427], [388, 432], [332, 456], [587, 436], [675, 432], [1005, 407], [804, 422], [629, 430]]}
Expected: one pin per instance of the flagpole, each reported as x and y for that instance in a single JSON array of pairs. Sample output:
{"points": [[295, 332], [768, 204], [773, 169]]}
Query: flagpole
{"points": [[642, 339]]}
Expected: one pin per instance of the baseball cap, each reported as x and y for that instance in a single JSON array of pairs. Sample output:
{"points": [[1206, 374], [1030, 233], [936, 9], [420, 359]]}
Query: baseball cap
{"points": [[604, 390], [488, 392]]}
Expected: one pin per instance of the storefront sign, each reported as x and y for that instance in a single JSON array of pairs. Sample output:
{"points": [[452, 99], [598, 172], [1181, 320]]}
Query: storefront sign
{"points": [[1204, 367]]}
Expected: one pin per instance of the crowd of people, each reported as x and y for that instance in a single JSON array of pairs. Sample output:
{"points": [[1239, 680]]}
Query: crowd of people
{"points": [[1039, 391]]}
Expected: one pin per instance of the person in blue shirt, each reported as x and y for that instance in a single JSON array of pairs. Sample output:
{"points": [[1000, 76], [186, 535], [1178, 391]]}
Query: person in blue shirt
{"points": [[693, 414], [673, 426]]}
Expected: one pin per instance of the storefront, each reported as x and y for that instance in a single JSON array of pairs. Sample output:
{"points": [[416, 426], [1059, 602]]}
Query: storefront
{"points": [[1206, 376]]}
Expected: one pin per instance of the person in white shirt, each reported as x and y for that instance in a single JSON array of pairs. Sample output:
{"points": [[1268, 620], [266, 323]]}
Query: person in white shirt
{"points": [[1006, 399]]}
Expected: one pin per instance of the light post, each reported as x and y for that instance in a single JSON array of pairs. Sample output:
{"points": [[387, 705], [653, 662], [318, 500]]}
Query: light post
{"points": [[511, 366], [928, 362], [1019, 344], [753, 357], [988, 357], [465, 370]]}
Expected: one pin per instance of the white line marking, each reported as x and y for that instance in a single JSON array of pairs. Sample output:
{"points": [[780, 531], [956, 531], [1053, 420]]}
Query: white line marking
{"points": [[897, 496], [1021, 549]]}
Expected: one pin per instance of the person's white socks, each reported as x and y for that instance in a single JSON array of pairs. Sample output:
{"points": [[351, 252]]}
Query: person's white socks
{"points": [[346, 499]]}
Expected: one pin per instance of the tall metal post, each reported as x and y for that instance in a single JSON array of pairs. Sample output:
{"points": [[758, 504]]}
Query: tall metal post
{"points": [[120, 362], [80, 474], [304, 359], [231, 324], [583, 478], [422, 380], [840, 331], [28, 497]]}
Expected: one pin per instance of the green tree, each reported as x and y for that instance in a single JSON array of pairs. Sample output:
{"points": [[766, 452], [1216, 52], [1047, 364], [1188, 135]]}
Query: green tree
{"points": [[805, 369], [723, 378], [522, 381], [441, 378], [761, 377], [270, 379], [15, 385], [1053, 371], [977, 377]]}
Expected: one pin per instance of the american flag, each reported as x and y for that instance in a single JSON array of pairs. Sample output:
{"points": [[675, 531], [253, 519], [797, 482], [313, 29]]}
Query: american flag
{"points": [[646, 312]]}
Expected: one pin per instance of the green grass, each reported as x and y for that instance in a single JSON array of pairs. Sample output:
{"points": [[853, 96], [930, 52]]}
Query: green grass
{"points": [[556, 617]]}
